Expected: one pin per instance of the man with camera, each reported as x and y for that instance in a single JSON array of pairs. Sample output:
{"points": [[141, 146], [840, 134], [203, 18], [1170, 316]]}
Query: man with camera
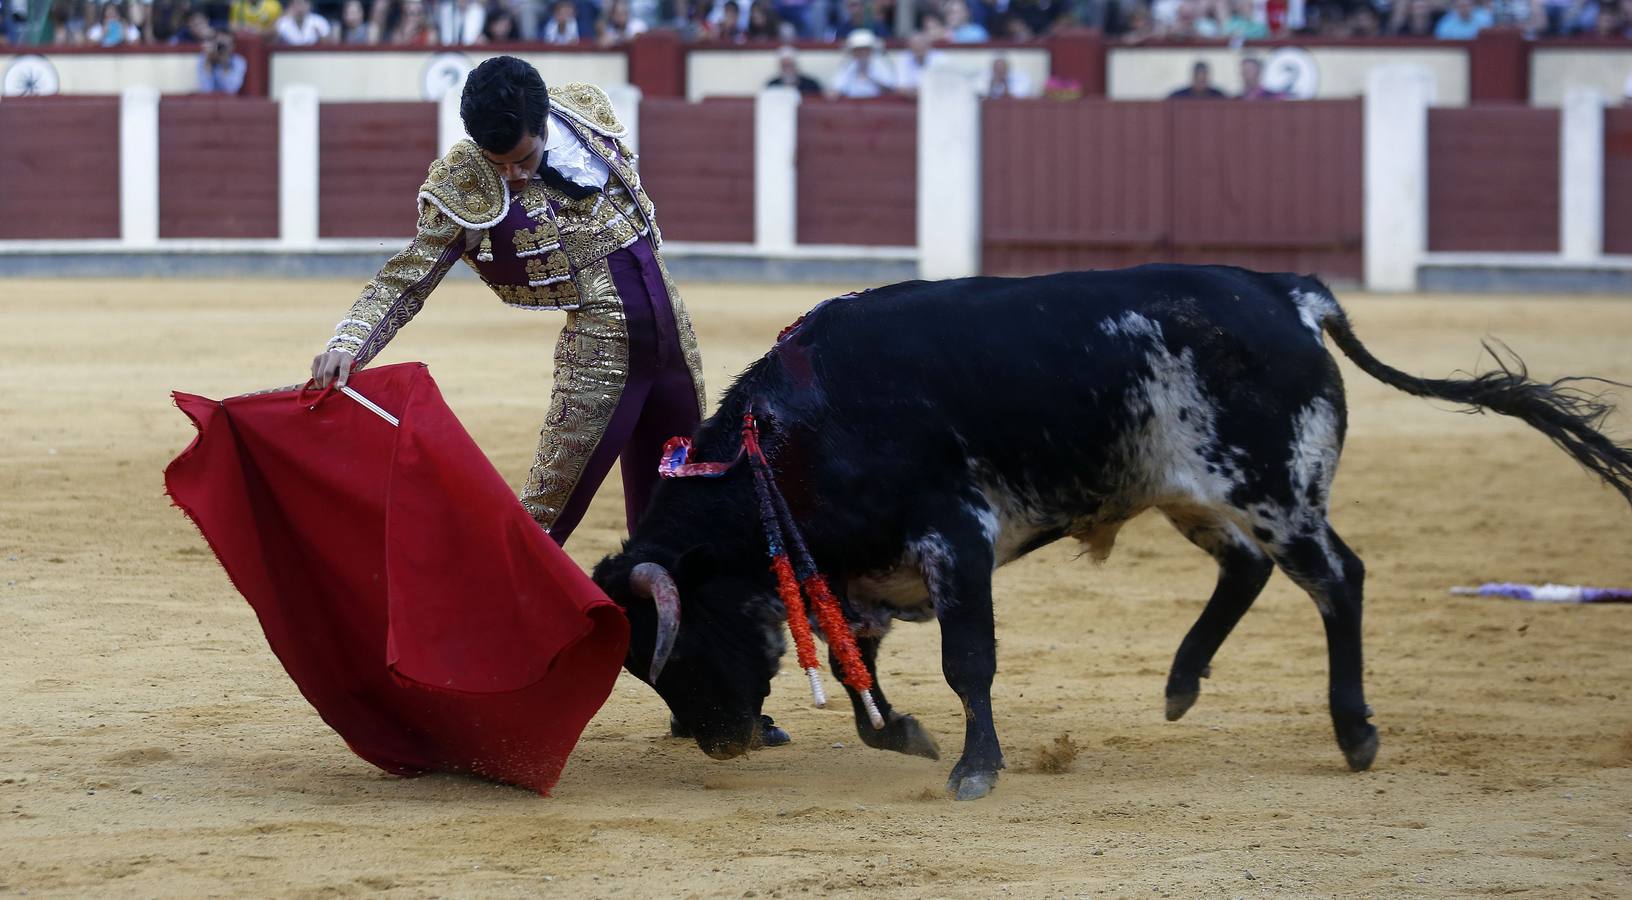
{"points": [[220, 71]]}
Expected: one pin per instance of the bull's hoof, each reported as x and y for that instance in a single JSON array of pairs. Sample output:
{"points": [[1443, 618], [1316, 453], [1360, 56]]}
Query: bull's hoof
{"points": [[1183, 690], [1361, 754], [902, 734], [972, 787], [1179, 704]]}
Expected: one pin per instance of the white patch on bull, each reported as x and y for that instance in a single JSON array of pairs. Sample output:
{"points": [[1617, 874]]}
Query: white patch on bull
{"points": [[1311, 465], [1007, 520], [1172, 450], [1313, 308], [915, 586], [1131, 324]]}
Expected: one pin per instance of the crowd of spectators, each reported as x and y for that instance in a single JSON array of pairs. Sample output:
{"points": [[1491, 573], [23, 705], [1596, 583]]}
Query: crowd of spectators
{"points": [[610, 22]]}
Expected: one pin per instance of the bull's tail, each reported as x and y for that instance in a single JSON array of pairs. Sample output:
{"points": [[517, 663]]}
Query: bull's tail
{"points": [[1562, 410]]}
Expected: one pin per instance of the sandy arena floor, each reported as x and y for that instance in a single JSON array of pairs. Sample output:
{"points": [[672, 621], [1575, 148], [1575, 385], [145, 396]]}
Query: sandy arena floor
{"points": [[150, 745]]}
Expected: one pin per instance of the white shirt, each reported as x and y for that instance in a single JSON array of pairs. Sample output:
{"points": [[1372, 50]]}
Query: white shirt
{"points": [[461, 28], [912, 72], [1019, 85], [303, 34], [850, 82], [565, 152]]}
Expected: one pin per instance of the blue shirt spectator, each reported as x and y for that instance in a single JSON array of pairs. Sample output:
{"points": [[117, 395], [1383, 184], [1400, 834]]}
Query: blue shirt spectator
{"points": [[1463, 22], [220, 71]]}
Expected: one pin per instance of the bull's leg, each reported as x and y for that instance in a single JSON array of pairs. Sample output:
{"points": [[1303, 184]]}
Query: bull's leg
{"points": [[901, 732], [1333, 576], [959, 575], [1242, 572]]}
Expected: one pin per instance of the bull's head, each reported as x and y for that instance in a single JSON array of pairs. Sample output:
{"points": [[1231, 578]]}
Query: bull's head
{"points": [[707, 641]]}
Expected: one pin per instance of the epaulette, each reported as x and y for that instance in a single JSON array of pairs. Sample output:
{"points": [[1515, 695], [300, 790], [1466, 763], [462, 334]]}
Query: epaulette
{"points": [[466, 187], [589, 106]]}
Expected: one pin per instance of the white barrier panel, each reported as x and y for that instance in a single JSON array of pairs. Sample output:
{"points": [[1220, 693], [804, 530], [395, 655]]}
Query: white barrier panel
{"points": [[139, 167], [776, 171], [342, 76], [948, 175], [1138, 73], [1396, 179], [298, 168], [109, 73], [743, 73], [1554, 70], [1581, 175]]}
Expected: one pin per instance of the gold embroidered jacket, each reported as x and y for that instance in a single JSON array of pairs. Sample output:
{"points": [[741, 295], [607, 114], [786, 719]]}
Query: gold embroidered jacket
{"points": [[462, 192]]}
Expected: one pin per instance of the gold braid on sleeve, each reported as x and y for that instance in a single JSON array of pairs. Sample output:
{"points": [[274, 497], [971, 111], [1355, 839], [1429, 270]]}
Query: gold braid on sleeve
{"points": [[399, 290]]}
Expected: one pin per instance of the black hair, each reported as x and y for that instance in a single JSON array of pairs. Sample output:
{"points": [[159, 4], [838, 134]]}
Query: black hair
{"points": [[504, 101]]}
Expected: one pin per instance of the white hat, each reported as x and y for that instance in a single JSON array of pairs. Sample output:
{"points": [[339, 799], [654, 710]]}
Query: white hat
{"points": [[860, 38]]}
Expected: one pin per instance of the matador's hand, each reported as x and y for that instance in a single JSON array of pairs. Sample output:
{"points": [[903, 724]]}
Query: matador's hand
{"points": [[332, 365]]}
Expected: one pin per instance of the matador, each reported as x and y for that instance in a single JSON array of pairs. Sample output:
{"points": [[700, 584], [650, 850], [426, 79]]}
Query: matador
{"points": [[544, 203]]}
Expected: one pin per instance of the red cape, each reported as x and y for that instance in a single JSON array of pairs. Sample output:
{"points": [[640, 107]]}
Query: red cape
{"points": [[417, 606]]}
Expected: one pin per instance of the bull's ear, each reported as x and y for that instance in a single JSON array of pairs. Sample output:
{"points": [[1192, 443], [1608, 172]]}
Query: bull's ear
{"points": [[696, 566]]}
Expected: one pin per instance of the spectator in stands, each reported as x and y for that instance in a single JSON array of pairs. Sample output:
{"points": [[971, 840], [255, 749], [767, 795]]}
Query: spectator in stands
{"points": [[933, 26], [963, 29], [112, 31], [866, 73], [460, 21], [1244, 23], [919, 56], [562, 28], [258, 16], [763, 25], [354, 28], [1200, 86], [1252, 81], [165, 20], [1141, 27], [1414, 18], [1006, 81], [197, 29], [300, 27], [500, 27], [413, 29], [1462, 22], [788, 75], [620, 26], [730, 22], [1612, 21], [220, 71]]}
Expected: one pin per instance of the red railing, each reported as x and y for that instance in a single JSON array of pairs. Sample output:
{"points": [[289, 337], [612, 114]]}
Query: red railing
{"points": [[699, 168], [61, 176], [858, 173], [218, 167], [372, 158], [1493, 179]]}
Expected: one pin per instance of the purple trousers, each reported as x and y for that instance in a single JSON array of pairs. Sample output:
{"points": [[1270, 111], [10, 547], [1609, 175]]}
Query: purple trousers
{"points": [[658, 400]]}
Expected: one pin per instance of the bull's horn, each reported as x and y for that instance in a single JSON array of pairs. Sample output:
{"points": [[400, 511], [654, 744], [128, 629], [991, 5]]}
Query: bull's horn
{"points": [[653, 581]]}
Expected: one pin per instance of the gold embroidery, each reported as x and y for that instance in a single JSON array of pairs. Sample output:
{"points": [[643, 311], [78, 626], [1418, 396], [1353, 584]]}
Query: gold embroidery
{"points": [[545, 269], [399, 290], [591, 368], [561, 295], [588, 105], [533, 241], [688, 337], [466, 186]]}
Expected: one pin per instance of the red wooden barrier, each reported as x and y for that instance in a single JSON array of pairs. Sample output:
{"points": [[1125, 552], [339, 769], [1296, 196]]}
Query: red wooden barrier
{"points": [[218, 167], [372, 158], [1100, 185], [1618, 180], [697, 163], [61, 173], [858, 173], [1493, 179]]}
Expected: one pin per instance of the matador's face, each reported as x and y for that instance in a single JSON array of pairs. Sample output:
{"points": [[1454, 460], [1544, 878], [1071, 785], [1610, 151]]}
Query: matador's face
{"points": [[517, 166]]}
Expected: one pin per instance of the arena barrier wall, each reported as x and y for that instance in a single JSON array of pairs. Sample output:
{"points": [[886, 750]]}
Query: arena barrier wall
{"points": [[1493, 179], [1104, 184], [857, 173], [1390, 190], [1497, 66], [703, 168], [60, 179]]}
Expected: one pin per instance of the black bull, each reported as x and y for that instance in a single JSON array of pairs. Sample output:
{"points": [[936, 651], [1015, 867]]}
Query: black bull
{"points": [[926, 433]]}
